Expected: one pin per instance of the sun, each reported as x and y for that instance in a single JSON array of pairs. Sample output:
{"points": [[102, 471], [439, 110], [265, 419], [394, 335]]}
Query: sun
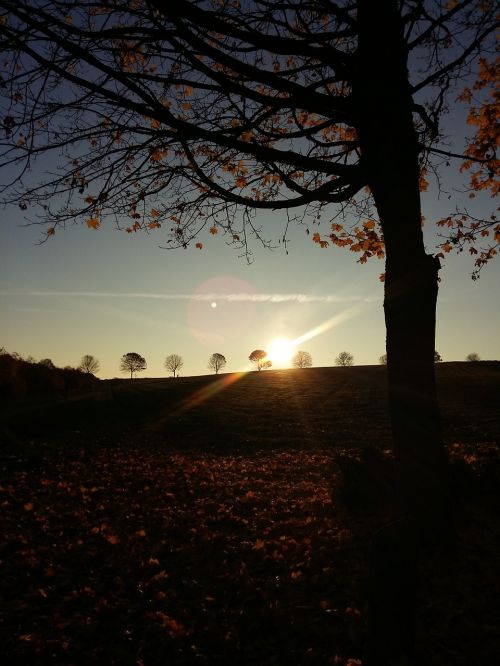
{"points": [[280, 351]]}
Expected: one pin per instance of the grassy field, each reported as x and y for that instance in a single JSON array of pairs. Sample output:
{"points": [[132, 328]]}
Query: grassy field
{"points": [[226, 520]]}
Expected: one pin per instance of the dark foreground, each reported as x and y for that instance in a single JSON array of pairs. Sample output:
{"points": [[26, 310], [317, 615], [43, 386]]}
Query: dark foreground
{"points": [[187, 522]]}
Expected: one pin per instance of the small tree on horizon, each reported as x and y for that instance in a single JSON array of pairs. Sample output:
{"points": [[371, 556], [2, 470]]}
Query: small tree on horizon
{"points": [[473, 357], [344, 358], [302, 359], [47, 362], [216, 362], [132, 362], [437, 357], [257, 357], [383, 359], [89, 364], [174, 363]]}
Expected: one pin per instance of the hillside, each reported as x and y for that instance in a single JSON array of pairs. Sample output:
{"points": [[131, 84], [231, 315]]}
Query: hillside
{"points": [[297, 408], [221, 521]]}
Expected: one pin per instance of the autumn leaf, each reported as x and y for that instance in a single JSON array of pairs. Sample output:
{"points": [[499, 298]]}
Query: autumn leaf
{"points": [[258, 545], [93, 223], [199, 246], [214, 231]]}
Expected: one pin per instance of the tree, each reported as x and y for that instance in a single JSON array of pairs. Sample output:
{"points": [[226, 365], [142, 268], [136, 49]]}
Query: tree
{"points": [[132, 362], [174, 363], [216, 362], [473, 357], [188, 116], [437, 357], [302, 359], [344, 358], [89, 364], [383, 359], [259, 358], [47, 362]]}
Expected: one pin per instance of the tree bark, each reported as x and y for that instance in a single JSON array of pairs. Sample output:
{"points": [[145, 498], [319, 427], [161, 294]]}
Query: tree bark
{"points": [[389, 147]]}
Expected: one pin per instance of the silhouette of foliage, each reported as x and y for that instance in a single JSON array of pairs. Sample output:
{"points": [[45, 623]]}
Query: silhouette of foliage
{"points": [[344, 358], [437, 357], [259, 358], [216, 362], [174, 363], [383, 359], [47, 362], [473, 357], [89, 364], [133, 363], [302, 359], [22, 379]]}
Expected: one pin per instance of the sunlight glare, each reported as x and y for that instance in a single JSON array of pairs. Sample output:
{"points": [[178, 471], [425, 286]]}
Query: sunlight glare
{"points": [[280, 350]]}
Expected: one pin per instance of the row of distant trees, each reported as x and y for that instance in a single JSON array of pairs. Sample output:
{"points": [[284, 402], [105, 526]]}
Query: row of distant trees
{"points": [[472, 358], [133, 362]]}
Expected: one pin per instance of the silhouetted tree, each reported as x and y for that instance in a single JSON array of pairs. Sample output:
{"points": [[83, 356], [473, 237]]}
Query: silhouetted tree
{"points": [[174, 363], [258, 358], [344, 358], [473, 357], [216, 362], [437, 357], [302, 359], [47, 362], [383, 359], [133, 363], [89, 364]]}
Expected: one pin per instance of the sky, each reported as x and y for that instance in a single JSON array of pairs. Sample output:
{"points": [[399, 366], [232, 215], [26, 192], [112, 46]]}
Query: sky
{"points": [[106, 293]]}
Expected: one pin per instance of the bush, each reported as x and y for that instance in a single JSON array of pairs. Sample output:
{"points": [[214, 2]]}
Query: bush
{"points": [[20, 379]]}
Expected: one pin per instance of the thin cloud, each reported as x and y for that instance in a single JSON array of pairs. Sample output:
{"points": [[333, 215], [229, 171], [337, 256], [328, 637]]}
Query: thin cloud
{"points": [[221, 297]]}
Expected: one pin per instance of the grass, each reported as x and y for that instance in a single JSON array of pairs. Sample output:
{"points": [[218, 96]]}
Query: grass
{"points": [[207, 521]]}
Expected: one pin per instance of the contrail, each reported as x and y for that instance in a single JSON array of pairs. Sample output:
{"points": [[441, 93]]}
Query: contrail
{"points": [[213, 296]]}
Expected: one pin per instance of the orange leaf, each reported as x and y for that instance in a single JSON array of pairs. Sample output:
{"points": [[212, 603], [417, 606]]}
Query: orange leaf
{"points": [[258, 545], [213, 231], [199, 246], [93, 223]]}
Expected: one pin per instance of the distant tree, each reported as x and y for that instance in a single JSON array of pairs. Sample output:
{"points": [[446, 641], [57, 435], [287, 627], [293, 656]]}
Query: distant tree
{"points": [[266, 364], [437, 357], [174, 363], [302, 359], [383, 359], [216, 362], [473, 357], [47, 362], [344, 358], [132, 362], [89, 364], [257, 357]]}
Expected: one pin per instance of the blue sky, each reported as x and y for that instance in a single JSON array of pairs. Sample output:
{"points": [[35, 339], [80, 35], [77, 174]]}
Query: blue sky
{"points": [[107, 293]]}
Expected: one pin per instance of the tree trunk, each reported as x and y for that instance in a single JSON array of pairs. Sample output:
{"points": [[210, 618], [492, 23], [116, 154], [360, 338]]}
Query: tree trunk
{"points": [[389, 146]]}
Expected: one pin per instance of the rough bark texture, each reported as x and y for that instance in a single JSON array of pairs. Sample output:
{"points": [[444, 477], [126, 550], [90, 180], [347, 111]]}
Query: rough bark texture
{"points": [[390, 155]]}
